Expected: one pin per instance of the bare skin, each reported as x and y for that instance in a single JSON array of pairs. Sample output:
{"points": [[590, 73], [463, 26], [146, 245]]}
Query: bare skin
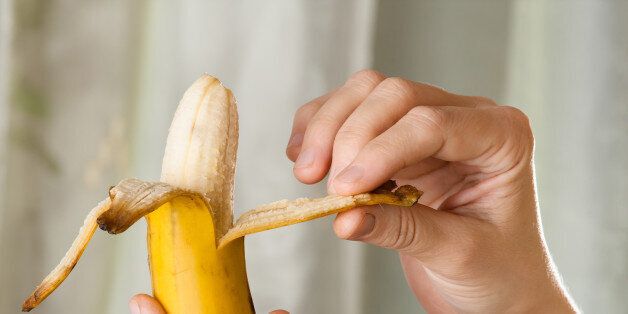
{"points": [[474, 243]]}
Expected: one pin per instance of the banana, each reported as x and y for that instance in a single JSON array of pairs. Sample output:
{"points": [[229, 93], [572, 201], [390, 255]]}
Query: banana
{"points": [[196, 254], [189, 275]]}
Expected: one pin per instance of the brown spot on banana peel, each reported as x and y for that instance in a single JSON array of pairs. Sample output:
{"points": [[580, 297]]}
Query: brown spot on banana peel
{"points": [[132, 199]]}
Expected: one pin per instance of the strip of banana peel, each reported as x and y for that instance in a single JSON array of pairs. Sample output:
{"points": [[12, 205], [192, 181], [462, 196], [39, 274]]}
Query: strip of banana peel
{"points": [[59, 273], [132, 199], [288, 212]]}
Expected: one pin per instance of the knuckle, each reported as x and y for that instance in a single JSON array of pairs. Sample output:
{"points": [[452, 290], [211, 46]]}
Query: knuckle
{"points": [[380, 152], [430, 117], [323, 120], [480, 101], [366, 77], [301, 111], [350, 133], [406, 234], [410, 237], [379, 148], [521, 124], [384, 152], [306, 110], [515, 114], [398, 87]]}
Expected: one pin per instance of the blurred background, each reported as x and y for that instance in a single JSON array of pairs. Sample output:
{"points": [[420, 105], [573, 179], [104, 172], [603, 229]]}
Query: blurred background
{"points": [[88, 89]]}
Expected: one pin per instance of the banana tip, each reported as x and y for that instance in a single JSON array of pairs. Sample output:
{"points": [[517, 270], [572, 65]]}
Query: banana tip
{"points": [[29, 304]]}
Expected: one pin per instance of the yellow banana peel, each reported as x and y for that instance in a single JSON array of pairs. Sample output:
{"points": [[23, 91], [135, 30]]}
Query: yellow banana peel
{"points": [[196, 253]]}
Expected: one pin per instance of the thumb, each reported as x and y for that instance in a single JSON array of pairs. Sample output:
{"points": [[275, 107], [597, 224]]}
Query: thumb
{"points": [[145, 304], [418, 231]]}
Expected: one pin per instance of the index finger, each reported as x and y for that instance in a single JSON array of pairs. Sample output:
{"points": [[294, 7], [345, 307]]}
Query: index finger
{"points": [[490, 140], [300, 121]]}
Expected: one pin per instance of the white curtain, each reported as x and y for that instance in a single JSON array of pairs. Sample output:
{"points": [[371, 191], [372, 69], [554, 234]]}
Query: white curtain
{"points": [[564, 63], [68, 99], [568, 68], [87, 91]]}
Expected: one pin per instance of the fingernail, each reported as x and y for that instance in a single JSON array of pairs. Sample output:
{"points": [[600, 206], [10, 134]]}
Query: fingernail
{"points": [[135, 308], [305, 159], [350, 175], [295, 140], [364, 228]]}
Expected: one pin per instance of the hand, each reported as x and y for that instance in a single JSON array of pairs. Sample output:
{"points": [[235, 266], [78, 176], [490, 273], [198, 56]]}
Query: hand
{"points": [[145, 304], [475, 243]]}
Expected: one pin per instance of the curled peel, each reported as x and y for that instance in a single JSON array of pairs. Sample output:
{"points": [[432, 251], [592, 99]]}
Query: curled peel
{"points": [[128, 201], [132, 199]]}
